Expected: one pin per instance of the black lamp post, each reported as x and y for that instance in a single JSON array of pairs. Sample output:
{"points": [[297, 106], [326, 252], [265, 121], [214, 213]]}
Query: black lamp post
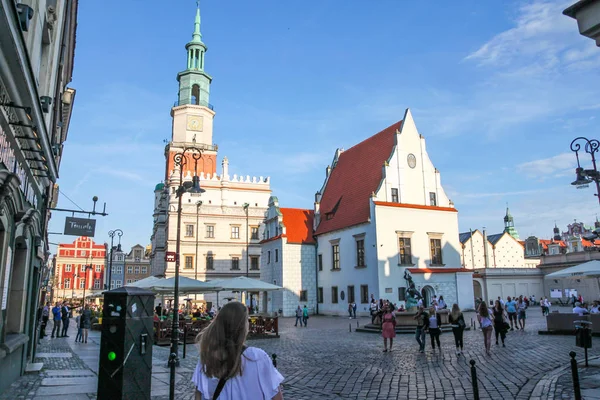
{"points": [[246, 205], [111, 235], [586, 176], [85, 270], [180, 160]]}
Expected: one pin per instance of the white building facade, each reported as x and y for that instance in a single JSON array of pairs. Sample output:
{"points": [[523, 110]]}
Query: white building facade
{"points": [[382, 211]]}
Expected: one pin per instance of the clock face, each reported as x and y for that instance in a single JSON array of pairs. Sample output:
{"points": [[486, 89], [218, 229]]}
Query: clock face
{"points": [[194, 123], [412, 160]]}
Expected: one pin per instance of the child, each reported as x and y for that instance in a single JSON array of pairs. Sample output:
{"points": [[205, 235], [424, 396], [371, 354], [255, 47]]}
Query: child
{"points": [[79, 336]]}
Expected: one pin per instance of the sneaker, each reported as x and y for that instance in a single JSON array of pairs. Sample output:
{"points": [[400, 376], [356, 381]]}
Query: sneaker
{"points": [[421, 351], [458, 352], [503, 345], [385, 350]]}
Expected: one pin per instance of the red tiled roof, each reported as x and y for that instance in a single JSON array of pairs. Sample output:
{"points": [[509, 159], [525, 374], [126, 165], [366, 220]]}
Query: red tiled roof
{"points": [[298, 225], [437, 270], [357, 174], [546, 242]]}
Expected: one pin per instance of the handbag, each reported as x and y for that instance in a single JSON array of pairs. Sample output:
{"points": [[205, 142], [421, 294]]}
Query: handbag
{"points": [[461, 323]]}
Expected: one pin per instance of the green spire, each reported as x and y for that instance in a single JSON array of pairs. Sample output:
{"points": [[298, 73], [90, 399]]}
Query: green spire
{"points": [[509, 224], [197, 36]]}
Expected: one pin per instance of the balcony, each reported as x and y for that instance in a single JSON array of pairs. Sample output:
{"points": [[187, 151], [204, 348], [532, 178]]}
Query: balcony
{"points": [[199, 103]]}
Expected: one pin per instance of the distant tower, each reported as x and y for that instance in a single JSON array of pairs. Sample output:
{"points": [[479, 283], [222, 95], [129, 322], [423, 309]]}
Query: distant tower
{"points": [[557, 233], [597, 223], [509, 225]]}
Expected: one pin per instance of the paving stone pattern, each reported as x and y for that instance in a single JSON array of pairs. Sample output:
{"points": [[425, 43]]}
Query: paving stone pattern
{"points": [[326, 361]]}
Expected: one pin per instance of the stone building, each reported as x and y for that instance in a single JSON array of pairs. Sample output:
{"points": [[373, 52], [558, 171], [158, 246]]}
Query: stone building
{"points": [[288, 259], [117, 273], [382, 212], [37, 43], [219, 228], [137, 265], [79, 264]]}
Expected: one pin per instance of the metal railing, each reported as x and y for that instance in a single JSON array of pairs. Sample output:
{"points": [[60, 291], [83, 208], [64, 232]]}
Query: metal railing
{"points": [[196, 103]]}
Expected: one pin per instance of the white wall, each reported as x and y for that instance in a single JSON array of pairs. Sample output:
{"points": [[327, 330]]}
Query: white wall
{"points": [[508, 253]]}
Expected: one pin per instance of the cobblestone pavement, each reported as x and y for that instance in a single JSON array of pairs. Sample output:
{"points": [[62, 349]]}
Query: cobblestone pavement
{"points": [[326, 361]]}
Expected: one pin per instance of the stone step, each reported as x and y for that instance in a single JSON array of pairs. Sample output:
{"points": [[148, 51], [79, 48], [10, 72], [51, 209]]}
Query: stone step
{"points": [[68, 372]]}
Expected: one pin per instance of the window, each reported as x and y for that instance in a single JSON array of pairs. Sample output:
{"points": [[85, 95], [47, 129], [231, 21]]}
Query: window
{"points": [[67, 283], [254, 263], [189, 230], [118, 283], [138, 253], [269, 257], [436, 251], [335, 250], [68, 268], [136, 269], [320, 262], [235, 232], [129, 281], [189, 261], [351, 294], [432, 199], [319, 295], [98, 268], [210, 231], [276, 255], [81, 283], [235, 263], [112, 284], [360, 253], [96, 283], [401, 294], [394, 195], [210, 262], [334, 294], [303, 295], [254, 233], [119, 270], [364, 294], [144, 270], [405, 252], [129, 269]]}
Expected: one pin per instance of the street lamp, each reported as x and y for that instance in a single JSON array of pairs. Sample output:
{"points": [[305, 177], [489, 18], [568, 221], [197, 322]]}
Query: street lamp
{"points": [[586, 176], [111, 235], [245, 206], [85, 270], [180, 160]]}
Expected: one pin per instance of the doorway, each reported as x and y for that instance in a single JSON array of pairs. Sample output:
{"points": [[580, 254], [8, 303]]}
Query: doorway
{"points": [[427, 292]]}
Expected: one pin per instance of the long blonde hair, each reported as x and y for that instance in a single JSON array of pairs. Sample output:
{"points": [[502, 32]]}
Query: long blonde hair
{"points": [[455, 312], [484, 311], [222, 342]]}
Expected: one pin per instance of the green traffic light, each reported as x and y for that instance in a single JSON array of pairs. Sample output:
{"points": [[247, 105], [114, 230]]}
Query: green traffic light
{"points": [[111, 356]]}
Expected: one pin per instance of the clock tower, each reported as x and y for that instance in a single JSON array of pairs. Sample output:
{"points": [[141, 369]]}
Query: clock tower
{"points": [[192, 113]]}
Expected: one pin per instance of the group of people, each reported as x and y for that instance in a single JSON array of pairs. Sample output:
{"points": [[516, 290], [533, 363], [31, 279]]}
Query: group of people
{"points": [[61, 314], [584, 308], [301, 316], [185, 311]]}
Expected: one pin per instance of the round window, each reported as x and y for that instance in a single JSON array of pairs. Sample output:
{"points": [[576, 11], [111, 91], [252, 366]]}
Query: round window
{"points": [[342, 295]]}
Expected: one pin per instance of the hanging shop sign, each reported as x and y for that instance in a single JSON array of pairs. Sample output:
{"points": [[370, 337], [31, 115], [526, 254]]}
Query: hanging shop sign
{"points": [[80, 226]]}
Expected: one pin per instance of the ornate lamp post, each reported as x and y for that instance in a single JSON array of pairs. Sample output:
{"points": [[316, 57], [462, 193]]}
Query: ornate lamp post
{"points": [[180, 160], [586, 176], [111, 235]]}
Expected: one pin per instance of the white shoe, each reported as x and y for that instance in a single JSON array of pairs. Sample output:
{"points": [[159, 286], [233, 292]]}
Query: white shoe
{"points": [[458, 352]]}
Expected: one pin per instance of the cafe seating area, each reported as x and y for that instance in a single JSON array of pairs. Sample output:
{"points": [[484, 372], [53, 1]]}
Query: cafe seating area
{"points": [[564, 323]]}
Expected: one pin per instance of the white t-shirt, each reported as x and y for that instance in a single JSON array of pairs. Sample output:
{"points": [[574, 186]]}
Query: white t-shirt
{"points": [[259, 379]]}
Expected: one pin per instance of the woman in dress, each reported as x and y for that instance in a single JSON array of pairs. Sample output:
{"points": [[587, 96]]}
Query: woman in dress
{"points": [[86, 322], [227, 369], [457, 320], [485, 321], [388, 327], [499, 324]]}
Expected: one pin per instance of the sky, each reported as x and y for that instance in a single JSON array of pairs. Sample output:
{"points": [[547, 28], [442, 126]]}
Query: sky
{"points": [[498, 89]]}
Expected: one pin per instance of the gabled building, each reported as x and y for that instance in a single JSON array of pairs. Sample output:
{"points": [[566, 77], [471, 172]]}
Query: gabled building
{"points": [[500, 250], [137, 265], [382, 211], [288, 259]]}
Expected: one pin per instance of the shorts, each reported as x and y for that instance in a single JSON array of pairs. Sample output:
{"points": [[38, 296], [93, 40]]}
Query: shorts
{"points": [[522, 315], [512, 316]]}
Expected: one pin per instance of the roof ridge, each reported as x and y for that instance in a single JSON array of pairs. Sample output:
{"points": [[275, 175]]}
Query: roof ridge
{"points": [[374, 136]]}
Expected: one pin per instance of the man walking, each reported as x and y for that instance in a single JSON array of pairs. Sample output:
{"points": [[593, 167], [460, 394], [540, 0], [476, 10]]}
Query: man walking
{"points": [[64, 311], [45, 317], [511, 309], [298, 316], [305, 316], [56, 319]]}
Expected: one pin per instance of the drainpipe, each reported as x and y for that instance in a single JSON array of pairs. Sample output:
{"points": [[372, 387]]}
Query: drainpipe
{"points": [[472, 251], [316, 273], [485, 251]]}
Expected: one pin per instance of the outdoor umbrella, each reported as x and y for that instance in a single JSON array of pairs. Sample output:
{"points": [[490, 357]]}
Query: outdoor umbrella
{"points": [[147, 283], [588, 269], [241, 283], [186, 285]]}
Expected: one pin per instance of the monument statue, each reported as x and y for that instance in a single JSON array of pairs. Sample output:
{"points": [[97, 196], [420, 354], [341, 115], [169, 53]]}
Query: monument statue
{"points": [[412, 294]]}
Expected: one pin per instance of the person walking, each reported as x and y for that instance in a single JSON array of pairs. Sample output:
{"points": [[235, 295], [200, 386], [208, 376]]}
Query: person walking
{"points": [[79, 336], [422, 324], [64, 311], [499, 322], [485, 320], [227, 368], [435, 327], [45, 317], [354, 309], [298, 316], [511, 309], [521, 314], [305, 315], [388, 327], [56, 320], [349, 310], [86, 322], [457, 320]]}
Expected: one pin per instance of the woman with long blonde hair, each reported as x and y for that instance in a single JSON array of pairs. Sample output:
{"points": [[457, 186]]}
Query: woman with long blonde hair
{"points": [[227, 369], [457, 320], [486, 322]]}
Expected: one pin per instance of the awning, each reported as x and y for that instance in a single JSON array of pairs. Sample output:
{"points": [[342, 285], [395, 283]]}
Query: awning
{"points": [[242, 283], [588, 269]]}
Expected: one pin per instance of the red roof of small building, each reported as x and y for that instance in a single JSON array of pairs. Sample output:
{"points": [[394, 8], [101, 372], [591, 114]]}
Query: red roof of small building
{"points": [[359, 170], [298, 225], [546, 242]]}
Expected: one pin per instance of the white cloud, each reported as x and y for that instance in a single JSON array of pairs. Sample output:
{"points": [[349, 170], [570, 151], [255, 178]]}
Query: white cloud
{"points": [[546, 167]]}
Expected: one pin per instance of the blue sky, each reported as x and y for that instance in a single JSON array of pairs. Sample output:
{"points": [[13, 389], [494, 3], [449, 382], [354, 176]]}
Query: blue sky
{"points": [[498, 89]]}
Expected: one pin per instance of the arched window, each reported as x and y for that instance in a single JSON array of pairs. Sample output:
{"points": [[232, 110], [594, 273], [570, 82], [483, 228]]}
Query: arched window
{"points": [[196, 94]]}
